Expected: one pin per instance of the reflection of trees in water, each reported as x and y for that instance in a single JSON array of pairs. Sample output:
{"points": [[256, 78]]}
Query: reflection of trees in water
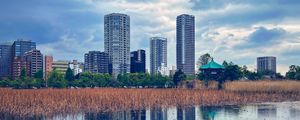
{"points": [[232, 110], [209, 112], [6, 116], [122, 115], [180, 113], [267, 111]]}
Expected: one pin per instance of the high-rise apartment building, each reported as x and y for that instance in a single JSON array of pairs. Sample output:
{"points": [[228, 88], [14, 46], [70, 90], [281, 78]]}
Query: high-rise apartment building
{"points": [[138, 61], [34, 62], [18, 64], [267, 63], [117, 42], [96, 62], [48, 60], [19, 48], [5, 60], [185, 43], [158, 54]]}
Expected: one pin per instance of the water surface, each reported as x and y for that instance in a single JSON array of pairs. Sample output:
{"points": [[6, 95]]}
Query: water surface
{"points": [[265, 111]]}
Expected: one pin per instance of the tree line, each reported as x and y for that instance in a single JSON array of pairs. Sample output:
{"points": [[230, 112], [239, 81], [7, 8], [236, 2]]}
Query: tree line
{"points": [[57, 79]]}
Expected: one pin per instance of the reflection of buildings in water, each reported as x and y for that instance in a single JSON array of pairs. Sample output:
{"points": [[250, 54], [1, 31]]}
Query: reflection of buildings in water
{"points": [[122, 115], [279, 111], [172, 113], [157, 114], [161, 114], [294, 113], [232, 110], [188, 113], [247, 112]]}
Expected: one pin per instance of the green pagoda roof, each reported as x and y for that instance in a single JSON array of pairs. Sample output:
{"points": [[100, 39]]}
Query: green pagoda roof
{"points": [[212, 65]]}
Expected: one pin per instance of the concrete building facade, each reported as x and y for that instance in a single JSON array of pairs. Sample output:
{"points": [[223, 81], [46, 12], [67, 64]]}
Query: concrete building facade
{"points": [[5, 60], [19, 48], [185, 43], [158, 54], [61, 66], [117, 42], [96, 62], [48, 60], [34, 62], [267, 63], [138, 61], [76, 67]]}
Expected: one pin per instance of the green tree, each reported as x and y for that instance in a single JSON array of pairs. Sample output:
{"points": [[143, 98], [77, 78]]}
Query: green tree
{"points": [[69, 75], [23, 73], [190, 77], [279, 76], [159, 80], [254, 76], [4, 83], [231, 71], [56, 80], [39, 74], [203, 60], [291, 74], [102, 80], [178, 77]]}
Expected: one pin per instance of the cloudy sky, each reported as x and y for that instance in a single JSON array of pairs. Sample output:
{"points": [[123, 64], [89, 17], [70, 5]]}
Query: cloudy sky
{"points": [[231, 30]]}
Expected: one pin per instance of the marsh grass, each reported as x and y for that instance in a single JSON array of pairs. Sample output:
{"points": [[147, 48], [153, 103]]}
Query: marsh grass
{"points": [[263, 86], [50, 102]]}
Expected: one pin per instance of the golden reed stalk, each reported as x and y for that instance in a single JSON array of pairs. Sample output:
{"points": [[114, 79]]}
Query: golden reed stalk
{"points": [[48, 102]]}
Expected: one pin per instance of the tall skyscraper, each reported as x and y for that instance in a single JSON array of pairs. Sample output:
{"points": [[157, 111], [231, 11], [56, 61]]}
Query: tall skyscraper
{"points": [[138, 61], [48, 65], [19, 48], [185, 43], [158, 54], [117, 42], [267, 63], [34, 62], [5, 60], [96, 62]]}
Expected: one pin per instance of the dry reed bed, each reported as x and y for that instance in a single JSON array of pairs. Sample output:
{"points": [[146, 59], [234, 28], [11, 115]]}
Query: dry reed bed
{"points": [[50, 102], [264, 86]]}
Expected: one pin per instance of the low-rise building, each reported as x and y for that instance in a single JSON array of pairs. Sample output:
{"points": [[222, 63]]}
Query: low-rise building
{"points": [[60, 65], [76, 67]]}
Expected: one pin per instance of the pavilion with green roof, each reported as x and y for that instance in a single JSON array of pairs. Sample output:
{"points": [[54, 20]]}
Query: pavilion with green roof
{"points": [[212, 70]]}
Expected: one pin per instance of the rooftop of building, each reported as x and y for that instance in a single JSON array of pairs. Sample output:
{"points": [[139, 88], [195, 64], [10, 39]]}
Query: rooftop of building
{"points": [[212, 65]]}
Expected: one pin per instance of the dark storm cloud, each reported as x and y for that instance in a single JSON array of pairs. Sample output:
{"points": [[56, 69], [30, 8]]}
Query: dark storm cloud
{"points": [[44, 21], [262, 37], [220, 4], [245, 12]]}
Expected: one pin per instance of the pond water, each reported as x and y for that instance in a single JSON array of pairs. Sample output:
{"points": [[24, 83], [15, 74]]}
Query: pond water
{"points": [[266, 111]]}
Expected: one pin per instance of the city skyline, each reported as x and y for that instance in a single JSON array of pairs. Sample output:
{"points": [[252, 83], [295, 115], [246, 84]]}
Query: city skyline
{"points": [[229, 30]]}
